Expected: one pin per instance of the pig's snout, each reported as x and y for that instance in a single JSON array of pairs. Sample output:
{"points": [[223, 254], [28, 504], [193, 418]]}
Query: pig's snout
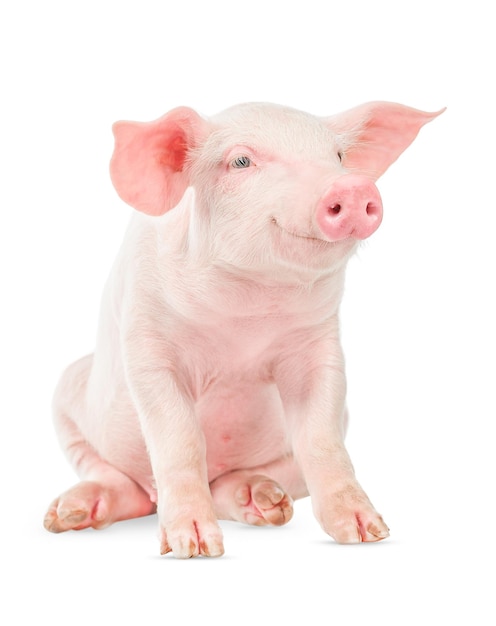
{"points": [[352, 207]]}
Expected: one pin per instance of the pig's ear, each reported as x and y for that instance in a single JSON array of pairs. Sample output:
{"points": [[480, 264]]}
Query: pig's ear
{"points": [[375, 134], [148, 167]]}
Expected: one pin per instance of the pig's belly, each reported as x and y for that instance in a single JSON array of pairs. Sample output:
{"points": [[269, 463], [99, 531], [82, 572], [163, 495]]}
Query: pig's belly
{"points": [[243, 426]]}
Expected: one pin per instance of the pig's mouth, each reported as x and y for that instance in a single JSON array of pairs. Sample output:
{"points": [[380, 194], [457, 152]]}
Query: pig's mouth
{"points": [[309, 238], [309, 251]]}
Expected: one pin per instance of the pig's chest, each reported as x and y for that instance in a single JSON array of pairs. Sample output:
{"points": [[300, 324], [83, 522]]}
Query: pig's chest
{"points": [[230, 347]]}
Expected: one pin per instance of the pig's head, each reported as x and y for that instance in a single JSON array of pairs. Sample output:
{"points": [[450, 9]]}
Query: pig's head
{"points": [[273, 187]]}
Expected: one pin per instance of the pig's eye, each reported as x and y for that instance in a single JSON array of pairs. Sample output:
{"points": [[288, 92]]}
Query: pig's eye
{"points": [[241, 162], [340, 156]]}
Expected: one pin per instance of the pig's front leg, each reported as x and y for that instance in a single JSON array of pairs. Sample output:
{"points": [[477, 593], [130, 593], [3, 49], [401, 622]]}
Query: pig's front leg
{"points": [[175, 443], [315, 403]]}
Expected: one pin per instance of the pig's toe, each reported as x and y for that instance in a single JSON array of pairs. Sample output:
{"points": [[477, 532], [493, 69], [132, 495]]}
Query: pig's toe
{"points": [[193, 538], [83, 506], [355, 530], [264, 502]]}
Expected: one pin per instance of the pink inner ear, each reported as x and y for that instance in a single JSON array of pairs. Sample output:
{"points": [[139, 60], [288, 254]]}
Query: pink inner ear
{"points": [[147, 167], [175, 156]]}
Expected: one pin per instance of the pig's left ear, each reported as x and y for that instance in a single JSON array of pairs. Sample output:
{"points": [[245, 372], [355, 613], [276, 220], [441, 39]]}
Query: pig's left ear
{"points": [[148, 167], [375, 134]]}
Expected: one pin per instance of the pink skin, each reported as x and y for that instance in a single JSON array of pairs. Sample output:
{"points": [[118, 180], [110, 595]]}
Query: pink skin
{"points": [[217, 387]]}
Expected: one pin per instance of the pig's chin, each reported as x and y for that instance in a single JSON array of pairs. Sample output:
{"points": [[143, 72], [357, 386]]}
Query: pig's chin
{"points": [[307, 251]]}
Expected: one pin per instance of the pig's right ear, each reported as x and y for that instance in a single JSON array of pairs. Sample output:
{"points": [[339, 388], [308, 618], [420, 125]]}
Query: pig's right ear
{"points": [[376, 133], [148, 166]]}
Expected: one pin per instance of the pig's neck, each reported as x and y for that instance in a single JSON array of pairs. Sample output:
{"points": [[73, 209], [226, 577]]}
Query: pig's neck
{"points": [[277, 279], [223, 291]]}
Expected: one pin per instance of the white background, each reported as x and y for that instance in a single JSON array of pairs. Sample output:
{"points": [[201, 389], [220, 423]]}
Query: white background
{"points": [[418, 315]]}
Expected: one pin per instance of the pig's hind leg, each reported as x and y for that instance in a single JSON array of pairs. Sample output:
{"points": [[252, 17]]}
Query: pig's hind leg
{"points": [[97, 504], [105, 495], [260, 496]]}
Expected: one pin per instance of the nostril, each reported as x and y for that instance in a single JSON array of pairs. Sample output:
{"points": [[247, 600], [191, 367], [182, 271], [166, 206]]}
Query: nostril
{"points": [[335, 209], [372, 209]]}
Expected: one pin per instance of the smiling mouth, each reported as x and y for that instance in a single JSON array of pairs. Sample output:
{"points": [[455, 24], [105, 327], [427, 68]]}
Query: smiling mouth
{"points": [[300, 236]]}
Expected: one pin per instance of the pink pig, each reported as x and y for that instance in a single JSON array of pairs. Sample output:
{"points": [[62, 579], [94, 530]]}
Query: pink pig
{"points": [[217, 388]]}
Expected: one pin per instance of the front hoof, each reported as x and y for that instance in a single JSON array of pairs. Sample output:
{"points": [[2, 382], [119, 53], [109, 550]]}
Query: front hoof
{"points": [[192, 538], [349, 517]]}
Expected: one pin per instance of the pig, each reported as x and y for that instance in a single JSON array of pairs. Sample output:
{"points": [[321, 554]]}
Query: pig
{"points": [[217, 387]]}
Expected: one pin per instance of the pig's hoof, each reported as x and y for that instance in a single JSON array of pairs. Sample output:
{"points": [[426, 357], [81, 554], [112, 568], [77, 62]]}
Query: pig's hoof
{"points": [[195, 538], [263, 501], [84, 506], [349, 517], [361, 529]]}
